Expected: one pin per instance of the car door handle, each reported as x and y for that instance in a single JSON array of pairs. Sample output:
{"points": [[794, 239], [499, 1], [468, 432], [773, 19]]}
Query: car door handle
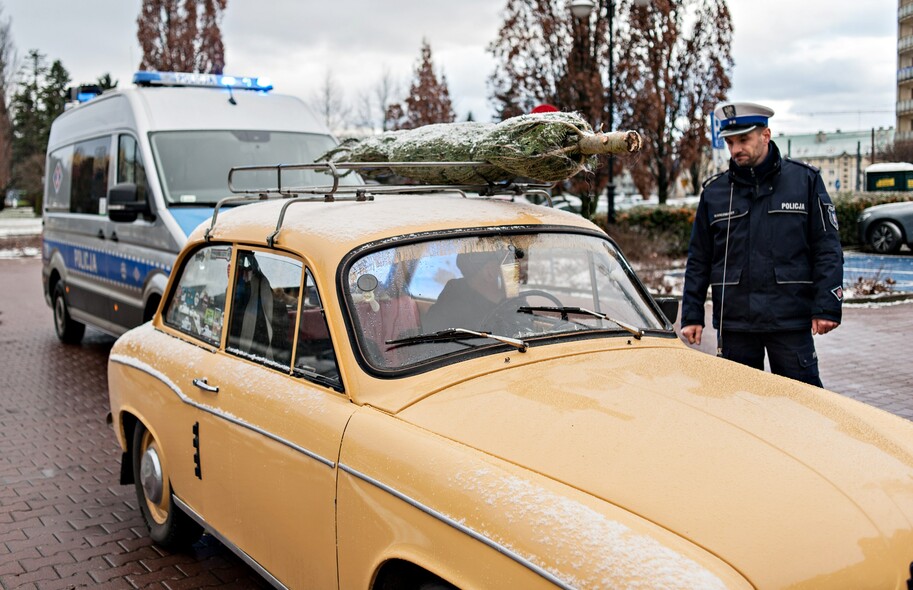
{"points": [[202, 384]]}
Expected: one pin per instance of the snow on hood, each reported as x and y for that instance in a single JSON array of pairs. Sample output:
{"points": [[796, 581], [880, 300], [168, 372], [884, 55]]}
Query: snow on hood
{"points": [[757, 469]]}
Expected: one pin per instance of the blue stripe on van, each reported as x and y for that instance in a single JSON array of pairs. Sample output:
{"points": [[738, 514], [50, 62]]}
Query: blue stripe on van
{"points": [[104, 265], [190, 217]]}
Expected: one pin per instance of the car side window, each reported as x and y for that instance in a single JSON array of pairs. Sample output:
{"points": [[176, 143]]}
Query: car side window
{"points": [[315, 358], [264, 303], [197, 303]]}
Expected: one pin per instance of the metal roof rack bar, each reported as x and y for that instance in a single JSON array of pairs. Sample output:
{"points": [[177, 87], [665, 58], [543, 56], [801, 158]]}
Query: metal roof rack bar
{"points": [[215, 213], [358, 196], [358, 192]]}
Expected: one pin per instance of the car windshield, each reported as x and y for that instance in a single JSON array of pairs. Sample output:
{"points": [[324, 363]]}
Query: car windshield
{"points": [[415, 302], [193, 165]]}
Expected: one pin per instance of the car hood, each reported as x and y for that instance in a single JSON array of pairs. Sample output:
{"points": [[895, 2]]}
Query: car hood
{"points": [[791, 485], [902, 206]]}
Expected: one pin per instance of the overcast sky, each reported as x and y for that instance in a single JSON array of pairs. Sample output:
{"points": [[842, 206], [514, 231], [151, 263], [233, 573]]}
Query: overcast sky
{"points": [[821, 64]]}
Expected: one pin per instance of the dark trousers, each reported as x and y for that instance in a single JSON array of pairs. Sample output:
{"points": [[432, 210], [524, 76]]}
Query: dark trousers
{"points": [[791, 354]]}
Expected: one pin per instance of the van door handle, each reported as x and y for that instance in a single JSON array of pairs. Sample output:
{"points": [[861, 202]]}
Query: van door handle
{"points": [[202, 384], [101, 234], [114, 236]]}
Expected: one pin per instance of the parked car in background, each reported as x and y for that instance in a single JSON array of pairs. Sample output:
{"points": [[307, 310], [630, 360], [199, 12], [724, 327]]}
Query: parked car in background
{"points": [[885, 228], [437, 391]]}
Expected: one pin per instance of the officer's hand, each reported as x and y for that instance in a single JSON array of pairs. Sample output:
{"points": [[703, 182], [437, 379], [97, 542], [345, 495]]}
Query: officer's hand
{"points": [[820, 326], [693, 334]]}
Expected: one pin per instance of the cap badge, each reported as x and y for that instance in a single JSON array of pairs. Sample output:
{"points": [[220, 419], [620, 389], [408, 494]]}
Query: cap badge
{"points": [[729, 111]]}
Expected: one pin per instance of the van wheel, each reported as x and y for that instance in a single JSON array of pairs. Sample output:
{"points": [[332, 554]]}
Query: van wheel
{"points": [[68, 329], [168, 525]]}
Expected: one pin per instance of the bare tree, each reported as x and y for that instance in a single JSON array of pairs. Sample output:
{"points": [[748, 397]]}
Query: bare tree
{"points": [[675, 68], [429, 98], [181, 35], [386, 88], [899, 151], [8, 68], [671, 65], [329, 102]]}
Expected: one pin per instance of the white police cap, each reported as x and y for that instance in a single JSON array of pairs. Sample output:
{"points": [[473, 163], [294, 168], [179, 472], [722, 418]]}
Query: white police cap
{"points": [[741, 117]]}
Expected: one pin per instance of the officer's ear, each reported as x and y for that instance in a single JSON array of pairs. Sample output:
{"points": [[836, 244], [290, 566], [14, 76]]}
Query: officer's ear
{"points": [[765, 133]]}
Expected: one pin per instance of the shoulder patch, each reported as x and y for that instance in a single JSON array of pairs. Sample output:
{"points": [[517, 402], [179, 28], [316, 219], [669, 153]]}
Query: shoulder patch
{"points": [[804, 164], [711, 179], [832, 215]]}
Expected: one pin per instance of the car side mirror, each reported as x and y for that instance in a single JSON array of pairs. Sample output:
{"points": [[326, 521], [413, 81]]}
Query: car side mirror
{"points": [[669, 307], [125, 203]]}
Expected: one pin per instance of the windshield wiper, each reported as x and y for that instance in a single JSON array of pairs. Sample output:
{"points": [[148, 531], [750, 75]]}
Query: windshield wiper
{"points": [[566, 311], [451, 334]]}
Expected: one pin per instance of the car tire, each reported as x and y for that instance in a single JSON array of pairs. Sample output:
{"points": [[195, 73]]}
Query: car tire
{"points": [[885, 237], [68, 330], [168, 525]]}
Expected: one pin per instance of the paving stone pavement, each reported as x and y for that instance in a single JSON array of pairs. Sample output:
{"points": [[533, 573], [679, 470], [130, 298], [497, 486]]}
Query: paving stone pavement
{"points": [[65, 522], [869, 357]]}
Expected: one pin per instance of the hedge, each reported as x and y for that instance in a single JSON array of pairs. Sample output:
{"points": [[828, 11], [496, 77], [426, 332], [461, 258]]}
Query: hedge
{"points": [[668, 229]]}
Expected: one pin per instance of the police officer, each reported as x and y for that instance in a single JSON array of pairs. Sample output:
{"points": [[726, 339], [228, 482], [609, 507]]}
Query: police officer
{"points": [[765, 239]]}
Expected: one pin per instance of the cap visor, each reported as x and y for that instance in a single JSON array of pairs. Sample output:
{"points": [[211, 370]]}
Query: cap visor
{"points": [[737, 130]]}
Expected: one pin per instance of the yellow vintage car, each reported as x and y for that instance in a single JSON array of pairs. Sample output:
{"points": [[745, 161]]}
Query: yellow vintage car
{"points": [[427, 391]]}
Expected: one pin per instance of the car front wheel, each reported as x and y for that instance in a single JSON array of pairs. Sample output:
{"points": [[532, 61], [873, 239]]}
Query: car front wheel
{"points": [[168, 525], [885, 237], [68, 329]]}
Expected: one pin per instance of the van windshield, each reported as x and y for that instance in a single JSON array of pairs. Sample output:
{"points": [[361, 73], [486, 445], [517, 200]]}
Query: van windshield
{"points": [[193, 165]]}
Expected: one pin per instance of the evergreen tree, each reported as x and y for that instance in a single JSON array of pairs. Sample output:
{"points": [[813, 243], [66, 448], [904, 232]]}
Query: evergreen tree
{"points": [[429, 99], [39, 100]]}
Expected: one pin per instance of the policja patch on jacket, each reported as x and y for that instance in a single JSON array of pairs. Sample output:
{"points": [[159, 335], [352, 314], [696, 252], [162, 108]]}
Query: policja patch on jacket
{"points": [[832, 216]]}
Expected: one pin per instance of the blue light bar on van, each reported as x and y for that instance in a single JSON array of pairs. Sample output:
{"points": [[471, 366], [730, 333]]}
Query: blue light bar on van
{"points": [[204, 80]]}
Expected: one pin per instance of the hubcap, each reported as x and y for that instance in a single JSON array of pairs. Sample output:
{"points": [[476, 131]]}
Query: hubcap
{"points": [[884, 239], [150, 473]]}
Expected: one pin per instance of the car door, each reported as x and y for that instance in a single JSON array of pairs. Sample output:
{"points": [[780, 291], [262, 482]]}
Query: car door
{"points": [[276, 443], [187, 354]]}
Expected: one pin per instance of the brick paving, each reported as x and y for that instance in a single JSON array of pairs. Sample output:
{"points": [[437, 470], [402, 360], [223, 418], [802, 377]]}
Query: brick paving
{"points": [[65, 522]]}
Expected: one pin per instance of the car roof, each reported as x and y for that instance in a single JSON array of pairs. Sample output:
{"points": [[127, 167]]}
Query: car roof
{"points": [[331, 229]]}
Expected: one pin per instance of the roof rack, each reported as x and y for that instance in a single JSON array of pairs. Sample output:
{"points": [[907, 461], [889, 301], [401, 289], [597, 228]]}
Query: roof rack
{"points": [[358, 192]]}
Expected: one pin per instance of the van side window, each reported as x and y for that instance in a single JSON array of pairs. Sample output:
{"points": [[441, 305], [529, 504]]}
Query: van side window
{"points": [[197, 304], [89, 185], [130, 164], [264, 302]]}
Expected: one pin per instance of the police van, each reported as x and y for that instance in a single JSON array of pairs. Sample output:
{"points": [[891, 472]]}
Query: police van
{"points": [[131, 172]]}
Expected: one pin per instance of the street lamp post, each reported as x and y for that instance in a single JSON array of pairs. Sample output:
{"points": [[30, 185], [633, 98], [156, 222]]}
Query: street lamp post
{"points": [[581, 10]]}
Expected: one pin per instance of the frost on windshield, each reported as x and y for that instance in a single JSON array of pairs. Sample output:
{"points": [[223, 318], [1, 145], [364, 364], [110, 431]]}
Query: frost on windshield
{"points": [[519, 286]]}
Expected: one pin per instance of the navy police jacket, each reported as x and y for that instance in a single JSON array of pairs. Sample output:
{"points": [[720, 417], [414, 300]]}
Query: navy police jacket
{"points": [[784, 265]]}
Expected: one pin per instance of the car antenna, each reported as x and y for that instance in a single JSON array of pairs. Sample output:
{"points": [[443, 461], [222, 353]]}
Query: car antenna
{"points": [[231, 96]]}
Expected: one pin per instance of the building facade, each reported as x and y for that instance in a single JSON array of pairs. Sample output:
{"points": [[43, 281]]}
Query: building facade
{"points": [[842, 156], [905, 70]]}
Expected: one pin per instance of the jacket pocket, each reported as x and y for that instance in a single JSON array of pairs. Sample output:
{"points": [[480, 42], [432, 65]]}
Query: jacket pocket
{"points": [[733, 275], [793, 275]]}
